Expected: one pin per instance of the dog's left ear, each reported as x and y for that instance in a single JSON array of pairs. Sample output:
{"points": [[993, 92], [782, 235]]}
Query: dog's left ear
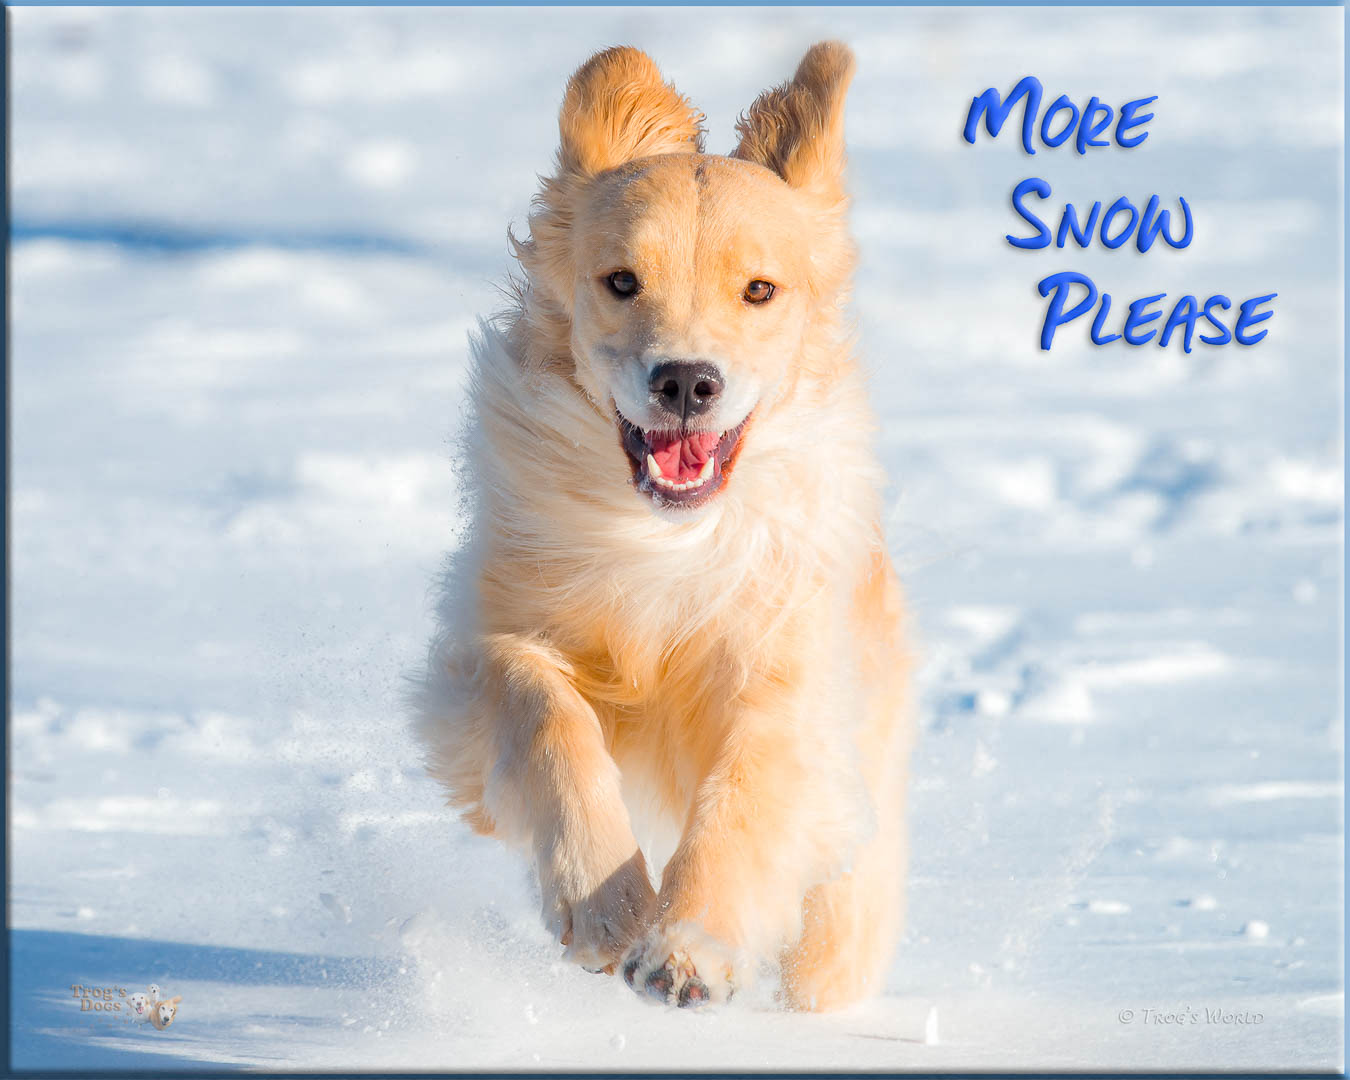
{"points": [[797, 129]]}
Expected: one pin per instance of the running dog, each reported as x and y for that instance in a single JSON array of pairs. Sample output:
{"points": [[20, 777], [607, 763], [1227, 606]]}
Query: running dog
{"points": [[675, 606]]}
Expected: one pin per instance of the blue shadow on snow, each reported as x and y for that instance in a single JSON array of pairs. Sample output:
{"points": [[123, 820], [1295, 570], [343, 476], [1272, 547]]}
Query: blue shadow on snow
{"points": [[48, 1031]]}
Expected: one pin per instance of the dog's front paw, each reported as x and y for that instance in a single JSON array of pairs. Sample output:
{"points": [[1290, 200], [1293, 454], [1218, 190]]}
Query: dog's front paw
{"points": [[598, 925], [681, 965]]}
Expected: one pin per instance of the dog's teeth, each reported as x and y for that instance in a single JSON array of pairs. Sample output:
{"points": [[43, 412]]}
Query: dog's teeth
{"points": [[653, 469], [668, 484], [707, 470]]}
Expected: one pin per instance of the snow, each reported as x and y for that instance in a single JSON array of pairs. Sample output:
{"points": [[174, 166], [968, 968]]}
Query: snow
{"points": [[249, 244]]}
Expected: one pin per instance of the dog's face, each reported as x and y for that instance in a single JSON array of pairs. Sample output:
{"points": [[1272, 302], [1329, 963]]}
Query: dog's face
{"points": [[688, 284], [163, 1012], [691, 294]]}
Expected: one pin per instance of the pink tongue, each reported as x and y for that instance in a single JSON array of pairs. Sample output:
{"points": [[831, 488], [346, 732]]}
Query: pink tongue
{"points": [[681, 457]]}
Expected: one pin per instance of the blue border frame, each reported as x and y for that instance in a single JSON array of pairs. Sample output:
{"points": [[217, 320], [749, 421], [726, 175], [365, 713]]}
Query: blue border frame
{"points": [[690, 3], [6, 1069]]}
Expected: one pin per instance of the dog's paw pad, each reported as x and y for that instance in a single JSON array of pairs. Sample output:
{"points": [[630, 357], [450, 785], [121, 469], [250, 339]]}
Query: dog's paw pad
{"points": [[660, 982], [675, 969], [694, 993], [630, 969]]}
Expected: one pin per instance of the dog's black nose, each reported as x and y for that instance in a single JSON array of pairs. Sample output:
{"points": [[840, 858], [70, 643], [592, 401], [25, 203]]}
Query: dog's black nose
{"points": [[684, 389]]}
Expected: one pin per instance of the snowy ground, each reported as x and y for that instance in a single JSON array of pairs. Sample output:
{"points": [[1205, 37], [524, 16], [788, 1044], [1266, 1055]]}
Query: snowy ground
{"points": [[248, 246]]}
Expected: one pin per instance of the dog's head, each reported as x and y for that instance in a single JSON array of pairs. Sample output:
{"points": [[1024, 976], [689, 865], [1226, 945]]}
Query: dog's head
{"points": [[688, 293], [163, 1013]]}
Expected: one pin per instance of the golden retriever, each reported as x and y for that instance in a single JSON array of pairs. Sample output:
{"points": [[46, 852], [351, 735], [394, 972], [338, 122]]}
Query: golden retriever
{"points": [[675, 606]]}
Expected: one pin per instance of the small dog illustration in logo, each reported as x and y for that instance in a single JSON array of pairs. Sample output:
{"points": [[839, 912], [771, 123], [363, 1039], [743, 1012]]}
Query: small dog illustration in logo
{"points": [[149, 1008], [162, 1013]]}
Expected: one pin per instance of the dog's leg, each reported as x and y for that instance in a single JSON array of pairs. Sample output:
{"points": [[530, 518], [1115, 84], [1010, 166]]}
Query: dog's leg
{"points": [[850, 924], [849, 928], [555, 785], [731, 894]]}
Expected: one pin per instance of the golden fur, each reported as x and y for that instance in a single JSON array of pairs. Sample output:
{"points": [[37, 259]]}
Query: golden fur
{"points": [[734, 672]]}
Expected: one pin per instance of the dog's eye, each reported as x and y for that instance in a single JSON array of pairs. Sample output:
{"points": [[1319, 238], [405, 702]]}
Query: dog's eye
{"points": [[623, 283], [758, 291]]}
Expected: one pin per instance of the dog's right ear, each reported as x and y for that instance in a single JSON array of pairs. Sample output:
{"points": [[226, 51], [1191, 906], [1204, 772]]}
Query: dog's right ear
{"points": [[617, 109]]}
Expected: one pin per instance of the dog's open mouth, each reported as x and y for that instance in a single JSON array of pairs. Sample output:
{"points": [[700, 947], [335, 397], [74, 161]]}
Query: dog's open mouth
{"points": [[680, 468]]}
